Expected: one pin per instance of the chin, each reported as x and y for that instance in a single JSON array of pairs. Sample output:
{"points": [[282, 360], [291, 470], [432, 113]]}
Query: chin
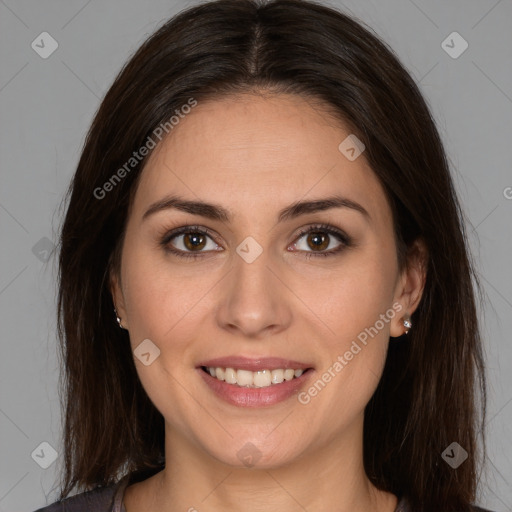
{"points": [[255, 452]]}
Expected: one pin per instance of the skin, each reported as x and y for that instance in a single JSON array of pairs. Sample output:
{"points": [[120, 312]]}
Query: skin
{"points": [[254, 155]]}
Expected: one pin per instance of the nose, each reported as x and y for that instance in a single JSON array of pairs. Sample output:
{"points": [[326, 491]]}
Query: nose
{"points": [[254, 301]]}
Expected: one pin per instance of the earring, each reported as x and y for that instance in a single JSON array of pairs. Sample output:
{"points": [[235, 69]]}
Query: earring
{"points": [[407, 322], [118, 319]]}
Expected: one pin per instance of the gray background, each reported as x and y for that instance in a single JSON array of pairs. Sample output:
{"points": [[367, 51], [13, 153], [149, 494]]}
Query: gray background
{"points": [[48, 104]]}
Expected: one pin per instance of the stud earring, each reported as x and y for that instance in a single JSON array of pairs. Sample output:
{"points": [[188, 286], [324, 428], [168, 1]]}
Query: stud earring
{"points": [[407, 322], [118, 319]]}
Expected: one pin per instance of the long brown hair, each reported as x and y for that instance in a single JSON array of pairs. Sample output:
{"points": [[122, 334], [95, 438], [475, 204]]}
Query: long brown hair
{"points": [[432, 391]]}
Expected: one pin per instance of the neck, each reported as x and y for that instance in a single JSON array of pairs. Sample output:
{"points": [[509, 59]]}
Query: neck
{"points": [[329, 476]]}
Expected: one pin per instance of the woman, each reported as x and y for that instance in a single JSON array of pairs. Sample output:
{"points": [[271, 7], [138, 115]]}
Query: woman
{"points": [[266, 298]]}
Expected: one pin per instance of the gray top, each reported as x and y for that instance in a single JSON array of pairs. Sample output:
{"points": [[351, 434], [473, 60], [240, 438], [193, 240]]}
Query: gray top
{"points": [[110, 499]]}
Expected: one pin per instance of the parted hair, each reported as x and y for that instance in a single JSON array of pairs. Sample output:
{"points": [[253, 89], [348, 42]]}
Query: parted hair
{"points": [[432, 391]]}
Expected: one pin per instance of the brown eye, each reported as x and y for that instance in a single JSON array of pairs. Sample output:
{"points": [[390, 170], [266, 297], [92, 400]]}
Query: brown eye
{"points": [[322, 240], [189, 241], [318, 241], [194, 241]]}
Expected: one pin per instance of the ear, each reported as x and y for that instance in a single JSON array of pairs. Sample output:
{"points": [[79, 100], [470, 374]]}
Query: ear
{"points": [[118, 297], [410, 286]]}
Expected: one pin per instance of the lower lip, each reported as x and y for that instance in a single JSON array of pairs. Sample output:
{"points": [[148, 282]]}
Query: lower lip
{"points": [[254, 397]]}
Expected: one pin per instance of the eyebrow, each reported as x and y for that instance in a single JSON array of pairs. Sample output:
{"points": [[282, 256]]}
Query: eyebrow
{"points": [[217, 212]]}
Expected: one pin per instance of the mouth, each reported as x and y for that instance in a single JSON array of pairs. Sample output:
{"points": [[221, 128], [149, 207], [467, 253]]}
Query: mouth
{"points": [[254, 379], [249, 382]]}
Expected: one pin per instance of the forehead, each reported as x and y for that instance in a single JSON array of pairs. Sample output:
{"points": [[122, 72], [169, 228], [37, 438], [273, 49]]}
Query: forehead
{"points": [[249, 151]]}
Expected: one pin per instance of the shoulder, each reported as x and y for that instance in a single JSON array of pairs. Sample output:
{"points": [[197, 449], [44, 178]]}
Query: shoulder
{"points": [[404, 506], [96, 500], [101, 499]]}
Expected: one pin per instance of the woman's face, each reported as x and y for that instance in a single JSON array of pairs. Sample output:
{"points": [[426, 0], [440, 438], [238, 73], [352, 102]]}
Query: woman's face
{"points": [[255, 292]]}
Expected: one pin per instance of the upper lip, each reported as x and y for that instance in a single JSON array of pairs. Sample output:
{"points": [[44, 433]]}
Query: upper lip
{"points": [[254, 364]]}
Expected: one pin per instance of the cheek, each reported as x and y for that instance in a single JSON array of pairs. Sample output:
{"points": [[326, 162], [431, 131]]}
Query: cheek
{"points": [[160, 304], [356, 304], [162, 298], [352, 297]]}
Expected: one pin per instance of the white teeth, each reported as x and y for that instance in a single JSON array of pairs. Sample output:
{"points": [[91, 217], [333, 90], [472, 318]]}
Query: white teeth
{"points": [[289, 374], [244, 378], [259, 379], [277, 376], [262, 379], [229, 376]]}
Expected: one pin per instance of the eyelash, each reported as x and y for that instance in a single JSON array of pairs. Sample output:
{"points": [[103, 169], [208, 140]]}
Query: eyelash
{"points": [[345, 240]]}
